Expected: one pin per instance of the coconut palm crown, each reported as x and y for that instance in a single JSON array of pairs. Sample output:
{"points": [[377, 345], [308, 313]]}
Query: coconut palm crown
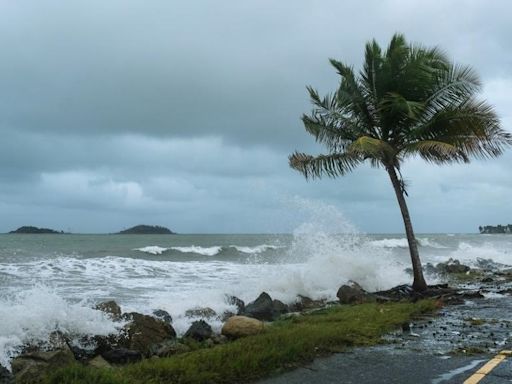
{"points": [[406, 101]]}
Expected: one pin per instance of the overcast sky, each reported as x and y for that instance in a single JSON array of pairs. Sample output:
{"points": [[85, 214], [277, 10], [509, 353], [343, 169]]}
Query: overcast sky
{"points": [[120, 112]]}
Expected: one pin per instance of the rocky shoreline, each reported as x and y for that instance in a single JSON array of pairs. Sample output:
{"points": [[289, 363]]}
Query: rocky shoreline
{"points": [[143, 336]]}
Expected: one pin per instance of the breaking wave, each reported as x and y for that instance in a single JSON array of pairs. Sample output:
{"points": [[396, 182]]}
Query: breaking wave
{"points": [[402, 243], [29, 317], [209, 251], [152, 249]]}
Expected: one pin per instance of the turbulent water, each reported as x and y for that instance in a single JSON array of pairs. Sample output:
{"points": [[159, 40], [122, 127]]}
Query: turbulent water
{"points": [[50, 282]]}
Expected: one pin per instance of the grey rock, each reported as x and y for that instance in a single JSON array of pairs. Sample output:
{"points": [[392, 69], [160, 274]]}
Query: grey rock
{"points": [[352, 293], [111, 308], [169, 348], [142, 331], [304, 303], [262, 308], [6, 377], [99, 362], [233, 300], [205, 313], [34, 366], [122, 356], [199, 330], [163, 315], [279, 308], [452, 266]]}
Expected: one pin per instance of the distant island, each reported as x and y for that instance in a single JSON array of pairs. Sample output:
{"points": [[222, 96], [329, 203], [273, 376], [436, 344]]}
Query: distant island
{"points": [[147, 230], [35, 230], [491, 229]]}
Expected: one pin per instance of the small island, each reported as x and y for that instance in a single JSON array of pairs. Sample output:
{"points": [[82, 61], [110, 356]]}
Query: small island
{"points": [[27, 229], [491, 229], [147, 230]]}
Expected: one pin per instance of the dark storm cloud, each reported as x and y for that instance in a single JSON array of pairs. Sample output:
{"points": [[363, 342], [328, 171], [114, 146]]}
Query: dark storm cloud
{"points": [[113, 112]]}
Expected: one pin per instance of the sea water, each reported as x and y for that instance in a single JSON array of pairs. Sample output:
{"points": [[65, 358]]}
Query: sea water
{"points": [[50, 282]]}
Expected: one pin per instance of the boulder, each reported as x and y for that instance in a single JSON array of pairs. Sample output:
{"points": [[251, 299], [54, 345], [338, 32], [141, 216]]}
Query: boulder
{"points": [[122, 356], [169, 348], [82, 354], [99, 362], [352, 293], [34, 366], [199, 330], [429, 269], [452, 266], [304, 303], [262, 308], [111, 308], [205, 313], [163, 315], [142, 331], [240, 305], [240, 326], [6, 377], [279, 308], [102, 343]]}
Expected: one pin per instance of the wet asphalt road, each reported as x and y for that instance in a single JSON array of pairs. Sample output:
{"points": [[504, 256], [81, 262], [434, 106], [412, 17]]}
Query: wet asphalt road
{"points": [[380, 365], [435, 351]]}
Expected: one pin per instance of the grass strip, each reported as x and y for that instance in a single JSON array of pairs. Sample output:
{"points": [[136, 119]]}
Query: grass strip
{"points": [[285, 344]]}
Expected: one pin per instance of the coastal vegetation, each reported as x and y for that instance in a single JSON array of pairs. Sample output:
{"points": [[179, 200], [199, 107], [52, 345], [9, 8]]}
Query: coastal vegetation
{"points": [[491, 229], [147, 230], [406, 101], [281, 346], [34, 230]]}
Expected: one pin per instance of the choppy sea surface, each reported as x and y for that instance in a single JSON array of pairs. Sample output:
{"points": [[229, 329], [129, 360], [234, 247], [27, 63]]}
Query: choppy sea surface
{"points": [[50, 282]]}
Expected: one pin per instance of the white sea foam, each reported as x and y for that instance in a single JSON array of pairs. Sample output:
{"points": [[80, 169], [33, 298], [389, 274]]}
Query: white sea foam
{"points": [[152, 249], [205, 251], [257, 249], [402, 243], [208, 251], [30, 316], [471, 253]]}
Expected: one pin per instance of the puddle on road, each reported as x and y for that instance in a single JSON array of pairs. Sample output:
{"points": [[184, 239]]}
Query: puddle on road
{"points": [[451, 374], [475, 327]]}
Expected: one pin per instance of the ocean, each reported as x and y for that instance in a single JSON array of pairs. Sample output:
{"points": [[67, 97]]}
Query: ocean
{"points": [[50, 282]]}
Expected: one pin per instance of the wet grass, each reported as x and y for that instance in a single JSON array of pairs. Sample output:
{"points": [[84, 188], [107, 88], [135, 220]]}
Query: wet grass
{"points": [[284, 345]]}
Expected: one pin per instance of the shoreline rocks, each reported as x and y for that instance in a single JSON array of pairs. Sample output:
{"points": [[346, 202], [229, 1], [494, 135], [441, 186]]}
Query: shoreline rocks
{"points": [[199, 330], [264, 308], [34, 366], [241, 326], [6, 377], [111, 308], [353, 293], [142, 331]]}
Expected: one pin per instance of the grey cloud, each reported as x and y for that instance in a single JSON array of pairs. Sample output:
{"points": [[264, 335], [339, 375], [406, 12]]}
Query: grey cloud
{"points": [[117, 112]]}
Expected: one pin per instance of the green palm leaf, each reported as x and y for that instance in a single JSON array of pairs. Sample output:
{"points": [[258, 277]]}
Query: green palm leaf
{"points": [[332, 165]]}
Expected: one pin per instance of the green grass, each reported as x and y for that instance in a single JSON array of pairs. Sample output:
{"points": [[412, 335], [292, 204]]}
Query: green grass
{"points": [[282, 346]]}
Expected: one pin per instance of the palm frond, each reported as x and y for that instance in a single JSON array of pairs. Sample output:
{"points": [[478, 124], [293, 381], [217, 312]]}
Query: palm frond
{"points": [[451, 88], [473, 128], [335, 134], [436, 152], [351, 96], [332, 165], [372, 148]]}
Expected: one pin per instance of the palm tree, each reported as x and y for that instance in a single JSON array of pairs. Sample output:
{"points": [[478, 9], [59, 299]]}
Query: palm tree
{"points": [[406, 101]]}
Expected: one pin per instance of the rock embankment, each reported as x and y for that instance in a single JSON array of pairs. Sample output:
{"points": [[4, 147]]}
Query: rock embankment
{"points": [[145, 336]]}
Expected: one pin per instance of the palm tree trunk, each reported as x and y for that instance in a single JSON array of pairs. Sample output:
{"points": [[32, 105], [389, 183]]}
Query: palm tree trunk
{"points": [[419, 283]]}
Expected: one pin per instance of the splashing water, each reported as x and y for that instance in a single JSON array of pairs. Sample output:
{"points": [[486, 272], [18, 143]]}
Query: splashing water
{"points": [[31, 316]]}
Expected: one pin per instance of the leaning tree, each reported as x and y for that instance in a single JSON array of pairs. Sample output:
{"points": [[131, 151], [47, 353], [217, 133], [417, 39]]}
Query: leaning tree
{"points": [[406, 101]]}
